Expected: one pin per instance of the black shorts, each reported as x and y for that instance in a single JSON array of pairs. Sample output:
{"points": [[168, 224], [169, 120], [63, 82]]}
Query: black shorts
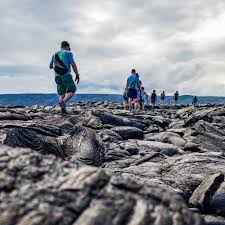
{"points": [[132, 93]]}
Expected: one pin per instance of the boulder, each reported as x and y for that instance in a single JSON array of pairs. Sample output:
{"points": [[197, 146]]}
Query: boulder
{"points": [[128, 132], [214, 220], [28, 138], [92, 122], [180, 131], [110, 136], [14, 116], [185, 112], [202, 115], [161, 121], [132, 148], [218, 201], [207, 135], [84, 145], [109, 118], [146, 147], [186, 172], [201, 197], [192, 147], [167, 137], [116, 154], [79, 143]]}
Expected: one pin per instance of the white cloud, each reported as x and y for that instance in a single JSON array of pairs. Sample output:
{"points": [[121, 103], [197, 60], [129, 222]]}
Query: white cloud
{"points": [[173, 44]]}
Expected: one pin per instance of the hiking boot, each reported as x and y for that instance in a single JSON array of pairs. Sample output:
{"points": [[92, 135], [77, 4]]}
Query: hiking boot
{"points": [[63, 108]]}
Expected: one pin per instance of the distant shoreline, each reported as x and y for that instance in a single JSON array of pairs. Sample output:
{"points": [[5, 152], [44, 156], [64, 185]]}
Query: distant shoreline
{"points": [[52, 99]]}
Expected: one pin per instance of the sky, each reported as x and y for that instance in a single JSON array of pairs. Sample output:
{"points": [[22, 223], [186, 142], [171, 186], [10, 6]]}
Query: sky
{"points": [[173, 44]]}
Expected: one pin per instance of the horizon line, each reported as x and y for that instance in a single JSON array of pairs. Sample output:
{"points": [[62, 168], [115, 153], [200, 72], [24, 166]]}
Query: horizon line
{"points": [[169, 95]]}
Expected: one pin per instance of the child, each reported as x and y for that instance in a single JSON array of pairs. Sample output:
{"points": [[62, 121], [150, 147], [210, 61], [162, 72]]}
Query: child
{"points": [[143, 96], [125, 97]]}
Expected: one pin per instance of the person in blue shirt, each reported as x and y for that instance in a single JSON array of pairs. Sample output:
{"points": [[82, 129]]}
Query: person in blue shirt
{"points": [[61, 62], [195, 101], [143, 97], [133, 84]]}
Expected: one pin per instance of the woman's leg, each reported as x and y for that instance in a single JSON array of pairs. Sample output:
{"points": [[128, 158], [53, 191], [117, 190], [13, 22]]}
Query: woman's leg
{"points": [[61, 97], [125, 104], [62, 104], [135, 104], [68, 96], [129, 103], [143, 105]]}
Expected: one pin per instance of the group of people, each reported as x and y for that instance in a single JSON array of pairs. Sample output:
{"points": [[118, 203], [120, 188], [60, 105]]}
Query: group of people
{"points": [[162, 98], [134, 94], [135, 97]]}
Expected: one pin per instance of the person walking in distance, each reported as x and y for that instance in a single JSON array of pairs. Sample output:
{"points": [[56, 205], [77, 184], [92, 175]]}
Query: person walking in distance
{"points": [[176, 97], [132, 87], [61, 62], [162, 98], [195, 101], [137, 104], [153, 98], [144, 96]]}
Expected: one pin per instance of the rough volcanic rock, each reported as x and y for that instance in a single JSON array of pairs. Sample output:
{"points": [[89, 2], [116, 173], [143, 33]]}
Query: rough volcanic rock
{"points": [[13, 116], [27, 138], [132, 147], [184, 113], [201, 197], [192, 147], [110, 136], [84, 145], [161, 121], [93, 122], [214, 220], [80, 143], [151, 162], [167, 137], [129, 132], [146, 147], [202, 115], [109, 118], [85, 196], [187, 172], [218, 200], [207, 135]]}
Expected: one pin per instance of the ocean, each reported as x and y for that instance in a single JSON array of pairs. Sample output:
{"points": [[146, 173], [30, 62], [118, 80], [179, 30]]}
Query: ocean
{"points": [[52, 99]]}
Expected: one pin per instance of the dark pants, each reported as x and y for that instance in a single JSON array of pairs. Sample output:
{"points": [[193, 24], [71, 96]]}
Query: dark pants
{"points": [[132, 93]]}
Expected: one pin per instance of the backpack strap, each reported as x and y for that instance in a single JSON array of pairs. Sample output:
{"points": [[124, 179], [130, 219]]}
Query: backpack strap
{"points": [[59, 60]]}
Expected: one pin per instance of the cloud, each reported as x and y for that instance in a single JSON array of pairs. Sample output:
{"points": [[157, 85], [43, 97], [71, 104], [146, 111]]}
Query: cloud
{"points": [[173, 44]]}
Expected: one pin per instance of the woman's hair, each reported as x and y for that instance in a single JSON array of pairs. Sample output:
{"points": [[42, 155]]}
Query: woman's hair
{"points": [[65, 44]]}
